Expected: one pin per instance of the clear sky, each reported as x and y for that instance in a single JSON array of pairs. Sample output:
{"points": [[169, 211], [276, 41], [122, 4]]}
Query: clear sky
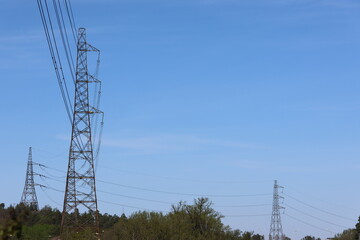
{"points": [[214, 97]]}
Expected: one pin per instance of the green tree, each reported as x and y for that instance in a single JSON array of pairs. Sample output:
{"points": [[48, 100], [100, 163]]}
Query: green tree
{"points": [[12, 220], [357, 229], [37, 232], [197, 221], [257, 237], [308, 238], [348, 234]]}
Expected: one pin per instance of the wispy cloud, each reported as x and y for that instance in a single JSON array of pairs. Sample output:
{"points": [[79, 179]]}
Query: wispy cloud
{"points": [[20, 49], [16, 39]]}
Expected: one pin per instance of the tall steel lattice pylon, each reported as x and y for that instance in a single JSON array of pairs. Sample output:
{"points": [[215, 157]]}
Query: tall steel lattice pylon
{"points": [[276, 232], [29, 195], [80, 192]]}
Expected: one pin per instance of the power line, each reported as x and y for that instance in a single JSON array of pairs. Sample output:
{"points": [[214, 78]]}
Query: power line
{"points": [[47, 195], [141, 208], [309, 215], [235, 216], [51, 175], [168, 192], [175, 178], [318, 209], [53, 179], [249, 215], [137, 198], [49, 187], [64, 37], [44, 166], [241, 206], [35, 150], [53, 47], [163, 202], [149, 200], [71, 18], [327, 202], [55, 55], [311, 225], [123, 205], [171, 203], [51, 41], [184, 194], [177, 193], [63, 81]]}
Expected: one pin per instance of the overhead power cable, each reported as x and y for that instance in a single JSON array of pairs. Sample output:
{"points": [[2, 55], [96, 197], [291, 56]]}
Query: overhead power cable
{"points": [[64, 37], [242, 206], [311, 225], [51, 175], [137, 198], [51, 41], [54, 50], [55, 55], [128, 206], [236, 216], [176, 178], [171, 203], [156, 201], [318, 209], [326, 201], [141, 208], [317, 218], [185, 194], [147, 209], [51, 188], [168, 192], [47, 195], [52, 179], [44, 166], [71, 18], [248, 215], [48, 155], [63, 79]]}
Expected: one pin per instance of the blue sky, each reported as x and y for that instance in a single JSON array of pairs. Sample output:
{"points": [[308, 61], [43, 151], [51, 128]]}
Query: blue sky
{"points": [[202, 96]]}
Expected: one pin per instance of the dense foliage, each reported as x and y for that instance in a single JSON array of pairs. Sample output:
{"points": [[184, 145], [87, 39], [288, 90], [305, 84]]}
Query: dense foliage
{"points": [[22, 222], [184, 222], [197, 221]]}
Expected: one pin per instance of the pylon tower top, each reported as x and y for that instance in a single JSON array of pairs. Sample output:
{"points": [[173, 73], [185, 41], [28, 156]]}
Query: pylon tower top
{"points": [[276, 232], [29, 195]]}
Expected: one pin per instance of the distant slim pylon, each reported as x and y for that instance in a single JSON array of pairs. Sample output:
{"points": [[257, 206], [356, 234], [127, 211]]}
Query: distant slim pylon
{"points": [[29, 195], [276, 232]]}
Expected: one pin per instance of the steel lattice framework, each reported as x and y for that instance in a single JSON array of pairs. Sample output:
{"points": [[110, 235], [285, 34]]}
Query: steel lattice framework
{"points": [[80, 192], [276, 232], [29, 195]]}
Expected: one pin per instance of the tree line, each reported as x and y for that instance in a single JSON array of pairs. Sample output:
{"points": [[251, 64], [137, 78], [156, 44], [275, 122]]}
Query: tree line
{"points": [[197, 221]]}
